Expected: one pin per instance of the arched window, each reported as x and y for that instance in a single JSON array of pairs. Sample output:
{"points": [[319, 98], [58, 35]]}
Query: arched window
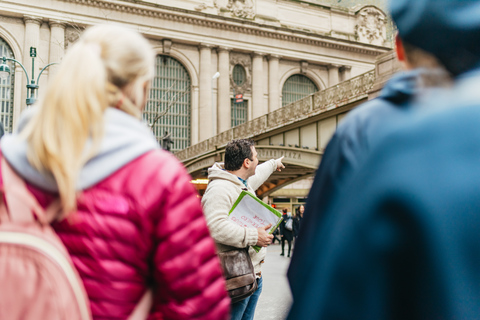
{"points": [[170, 102], [6, 89], [297, 87]]}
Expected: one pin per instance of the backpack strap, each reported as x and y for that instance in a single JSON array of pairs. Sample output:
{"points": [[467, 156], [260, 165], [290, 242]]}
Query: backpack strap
{"points": [[3, 211], [22, 205], [143, 307]]}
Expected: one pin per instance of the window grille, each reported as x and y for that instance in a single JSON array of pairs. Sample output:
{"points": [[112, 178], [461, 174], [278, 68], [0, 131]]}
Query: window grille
{"points": [[239, 112], [297, 87], [239, 75], [7, 89], [170, 97]]}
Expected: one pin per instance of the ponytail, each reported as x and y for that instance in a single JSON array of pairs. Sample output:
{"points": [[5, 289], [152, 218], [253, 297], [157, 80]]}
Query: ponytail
{"points": [[67, 129]]}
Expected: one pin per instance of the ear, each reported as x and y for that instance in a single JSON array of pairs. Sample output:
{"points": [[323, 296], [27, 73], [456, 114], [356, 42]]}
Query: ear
{"points": [[246, 163], [399, 48]]}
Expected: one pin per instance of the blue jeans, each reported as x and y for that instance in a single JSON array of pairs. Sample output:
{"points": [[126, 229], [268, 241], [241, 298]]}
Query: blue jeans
{"points": [[245, 309]]}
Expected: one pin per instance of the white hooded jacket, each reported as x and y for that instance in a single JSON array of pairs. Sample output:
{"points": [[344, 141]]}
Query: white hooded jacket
{"points": [[222, 191]]}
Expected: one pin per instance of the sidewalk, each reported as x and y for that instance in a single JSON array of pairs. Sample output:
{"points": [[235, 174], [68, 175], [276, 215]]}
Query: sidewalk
{"points": [[275, 300]]}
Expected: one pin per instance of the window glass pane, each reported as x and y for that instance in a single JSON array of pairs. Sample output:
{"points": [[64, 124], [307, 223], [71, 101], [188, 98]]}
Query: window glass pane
{"points": [[169, 99], [239, 112], [297, 87], [239, 75], [6, 88]]}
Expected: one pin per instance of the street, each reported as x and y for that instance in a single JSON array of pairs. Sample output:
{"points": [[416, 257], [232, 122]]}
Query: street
{"points": [[276, 298]]}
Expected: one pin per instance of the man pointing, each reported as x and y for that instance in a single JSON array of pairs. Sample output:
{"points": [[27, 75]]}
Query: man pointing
{"points": [[239, 172]]}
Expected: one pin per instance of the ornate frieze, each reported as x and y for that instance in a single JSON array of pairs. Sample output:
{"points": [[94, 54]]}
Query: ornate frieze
{"points": [[245, 61], [251, 28], [242, 8], [371, 26], [72, 33]]}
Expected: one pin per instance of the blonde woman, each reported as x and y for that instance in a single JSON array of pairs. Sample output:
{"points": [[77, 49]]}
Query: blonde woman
{"points": [[130, 219]]}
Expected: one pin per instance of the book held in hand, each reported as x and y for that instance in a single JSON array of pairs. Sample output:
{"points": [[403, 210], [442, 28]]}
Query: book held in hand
{"points": [[250, 212]]}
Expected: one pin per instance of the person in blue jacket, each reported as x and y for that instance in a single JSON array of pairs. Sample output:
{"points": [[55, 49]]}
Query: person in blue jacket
{"points": [[353, 139], [402, 241]]}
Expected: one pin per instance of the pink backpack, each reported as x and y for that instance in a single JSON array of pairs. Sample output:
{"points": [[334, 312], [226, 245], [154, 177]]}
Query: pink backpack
{"points": [[37, 277]]}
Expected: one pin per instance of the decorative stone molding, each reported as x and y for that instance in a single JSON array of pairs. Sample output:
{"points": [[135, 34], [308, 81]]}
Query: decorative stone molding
{"points": [[57, 23], [242, 8], [221, 49], [273, 56], [248, 27], [33, 19], [167, 46], [260, 54], [205, 46], [303, 67], [72, 34], [371, 26], [246, 62]]}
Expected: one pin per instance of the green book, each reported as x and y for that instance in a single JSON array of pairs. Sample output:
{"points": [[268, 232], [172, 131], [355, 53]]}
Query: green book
{"points": [[250, 212]]}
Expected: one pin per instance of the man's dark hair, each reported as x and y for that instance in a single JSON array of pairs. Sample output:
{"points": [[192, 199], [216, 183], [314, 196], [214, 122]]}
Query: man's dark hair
{"points": [[237, 151]]}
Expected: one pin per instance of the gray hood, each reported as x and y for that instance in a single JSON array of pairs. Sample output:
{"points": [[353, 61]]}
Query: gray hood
{"points": [[217, 171], [125, 139]]}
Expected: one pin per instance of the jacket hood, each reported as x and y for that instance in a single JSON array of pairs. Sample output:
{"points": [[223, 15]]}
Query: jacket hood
{"points": [[125, 139], [217, 171], [407, 84], [449, 29]]}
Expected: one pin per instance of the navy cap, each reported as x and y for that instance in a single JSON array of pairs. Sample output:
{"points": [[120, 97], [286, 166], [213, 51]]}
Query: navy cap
{"points": [[449, 29]]}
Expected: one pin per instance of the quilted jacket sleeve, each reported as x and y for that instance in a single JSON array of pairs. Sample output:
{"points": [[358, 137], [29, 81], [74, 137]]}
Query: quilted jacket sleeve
{"points": [[187, 272]]}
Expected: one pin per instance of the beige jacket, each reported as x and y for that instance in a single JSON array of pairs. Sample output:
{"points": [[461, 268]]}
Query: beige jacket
{"points": [[222, 191]]}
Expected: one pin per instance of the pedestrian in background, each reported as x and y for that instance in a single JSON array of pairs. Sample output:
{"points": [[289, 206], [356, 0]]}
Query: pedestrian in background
{"points": [[130, 219], [286, 231], [297, 221]]}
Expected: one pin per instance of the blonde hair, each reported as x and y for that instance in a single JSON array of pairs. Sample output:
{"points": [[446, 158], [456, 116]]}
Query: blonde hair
{"points": [[108, 66]]}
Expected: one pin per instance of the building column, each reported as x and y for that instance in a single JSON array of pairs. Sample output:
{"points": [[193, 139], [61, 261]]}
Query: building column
{"points": [[223, 94], [57, 45], [32, 39], [273, 95], [347, 72], [258, 106], [205, 104], [333, 78]]}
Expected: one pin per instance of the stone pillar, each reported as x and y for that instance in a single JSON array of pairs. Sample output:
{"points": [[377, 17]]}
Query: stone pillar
{"points": [[333, 78], [347, 72], [57, 45], [273, 95], [223, 94], [32, 39], [205, 103], [259, 108]]}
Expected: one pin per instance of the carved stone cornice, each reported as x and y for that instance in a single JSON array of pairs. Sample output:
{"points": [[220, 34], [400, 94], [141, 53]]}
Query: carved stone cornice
{"points": [[230, 24]]}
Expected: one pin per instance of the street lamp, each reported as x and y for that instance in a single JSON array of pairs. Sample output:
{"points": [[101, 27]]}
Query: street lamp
{"points": [[31, 86], [215, 76]]}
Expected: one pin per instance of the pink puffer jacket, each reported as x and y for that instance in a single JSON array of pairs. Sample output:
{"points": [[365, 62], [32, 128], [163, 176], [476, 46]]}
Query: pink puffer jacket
{"points": [[144, 225]]}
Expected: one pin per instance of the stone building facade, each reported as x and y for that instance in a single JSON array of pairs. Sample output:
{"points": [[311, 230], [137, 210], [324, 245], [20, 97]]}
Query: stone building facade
{"points": [[271, 52]]}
